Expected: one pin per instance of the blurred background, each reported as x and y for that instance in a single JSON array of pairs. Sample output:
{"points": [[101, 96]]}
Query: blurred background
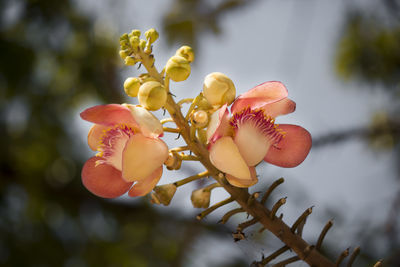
{"points": [[339, 59]]}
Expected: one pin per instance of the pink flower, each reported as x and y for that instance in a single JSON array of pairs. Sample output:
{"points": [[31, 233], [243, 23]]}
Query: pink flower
{"points": [[129, 150], [238, 142]]}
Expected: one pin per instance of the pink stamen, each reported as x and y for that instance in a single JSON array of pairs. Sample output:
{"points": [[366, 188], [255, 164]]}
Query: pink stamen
{"points": [[264, 123], [112, 143]]}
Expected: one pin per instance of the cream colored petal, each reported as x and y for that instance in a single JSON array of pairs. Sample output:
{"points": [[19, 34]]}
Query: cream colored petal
{"points": [[244, 183], [145, 186], [142, 156], [148, 124], [252, 143], [225, 155]]}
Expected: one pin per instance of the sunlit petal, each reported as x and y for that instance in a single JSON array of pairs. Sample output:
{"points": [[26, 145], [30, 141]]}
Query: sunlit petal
{"points": [[219, 124], [103, 180], [145, 186], [148, 124], [292, 149], [260, 95], [110, 114], [225, 155], [142, 156], [95, 134], [243, 182], [281, 107], [252, 143]]}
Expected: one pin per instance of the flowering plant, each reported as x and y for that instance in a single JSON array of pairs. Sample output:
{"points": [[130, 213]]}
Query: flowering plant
{"points": [[228, 143]]}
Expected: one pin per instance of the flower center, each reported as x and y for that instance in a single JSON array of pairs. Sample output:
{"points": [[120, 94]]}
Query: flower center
{"points": [[112, 145], [254, 133]]}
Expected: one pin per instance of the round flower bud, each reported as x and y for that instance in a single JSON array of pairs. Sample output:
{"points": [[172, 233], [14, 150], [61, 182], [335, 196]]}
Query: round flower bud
{"points": [[178, 68], [218, 89], [134, 41], [152, 95], [186, 52], [151, 35], [165, 193], [200, 118], [123, 54], [201, 198], [130, 61], [135, 33], [142, 44], [131, 86]]}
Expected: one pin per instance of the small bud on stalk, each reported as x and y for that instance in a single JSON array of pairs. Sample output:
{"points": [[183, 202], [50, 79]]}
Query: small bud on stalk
{"points": [[151, 35], [218, 89], [200, 119], [178, 68], [131, 86], [186, 52], [164, 193], [201, 198], [152, 95]]}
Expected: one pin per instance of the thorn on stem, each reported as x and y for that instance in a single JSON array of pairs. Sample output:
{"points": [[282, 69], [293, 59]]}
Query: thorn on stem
{"points": [[341, 257], [321, 237], [353, 256], [276, 206], [270, 189]]}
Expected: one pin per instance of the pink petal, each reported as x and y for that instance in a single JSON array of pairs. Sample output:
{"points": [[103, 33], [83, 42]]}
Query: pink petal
{"points": [[260, 95], [142, 156], [281, 107], [243, 182], [95, 134], [292, 149], [103, 180], [225, 155], [219, 124], [110, 114], [145, 186]]}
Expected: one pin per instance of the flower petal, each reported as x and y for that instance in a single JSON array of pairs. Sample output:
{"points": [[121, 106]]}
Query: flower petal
{"points": [[219, 124], [281, 107], [110, 114], [253, 144], [260, 95], [145, 186], [243, 182], [103, 180], [142, 156], [148, 124], [225, 155], [95, 134], [292, 149]]}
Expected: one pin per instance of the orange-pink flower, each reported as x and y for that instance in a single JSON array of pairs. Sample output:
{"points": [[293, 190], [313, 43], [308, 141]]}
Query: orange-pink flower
{"points": [[238, 142], [129, 150]]}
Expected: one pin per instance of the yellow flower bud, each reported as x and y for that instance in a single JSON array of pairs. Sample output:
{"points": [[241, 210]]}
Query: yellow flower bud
{"points": [[201, 198], [131, 86], [135, 33], [186, 52], [165, 193], [142, 44], [178, 68], [123, 54], [130, 61], [173, 162], [134, 41], [218, 89], [200, 118], [151, 35], [152, 95]]}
